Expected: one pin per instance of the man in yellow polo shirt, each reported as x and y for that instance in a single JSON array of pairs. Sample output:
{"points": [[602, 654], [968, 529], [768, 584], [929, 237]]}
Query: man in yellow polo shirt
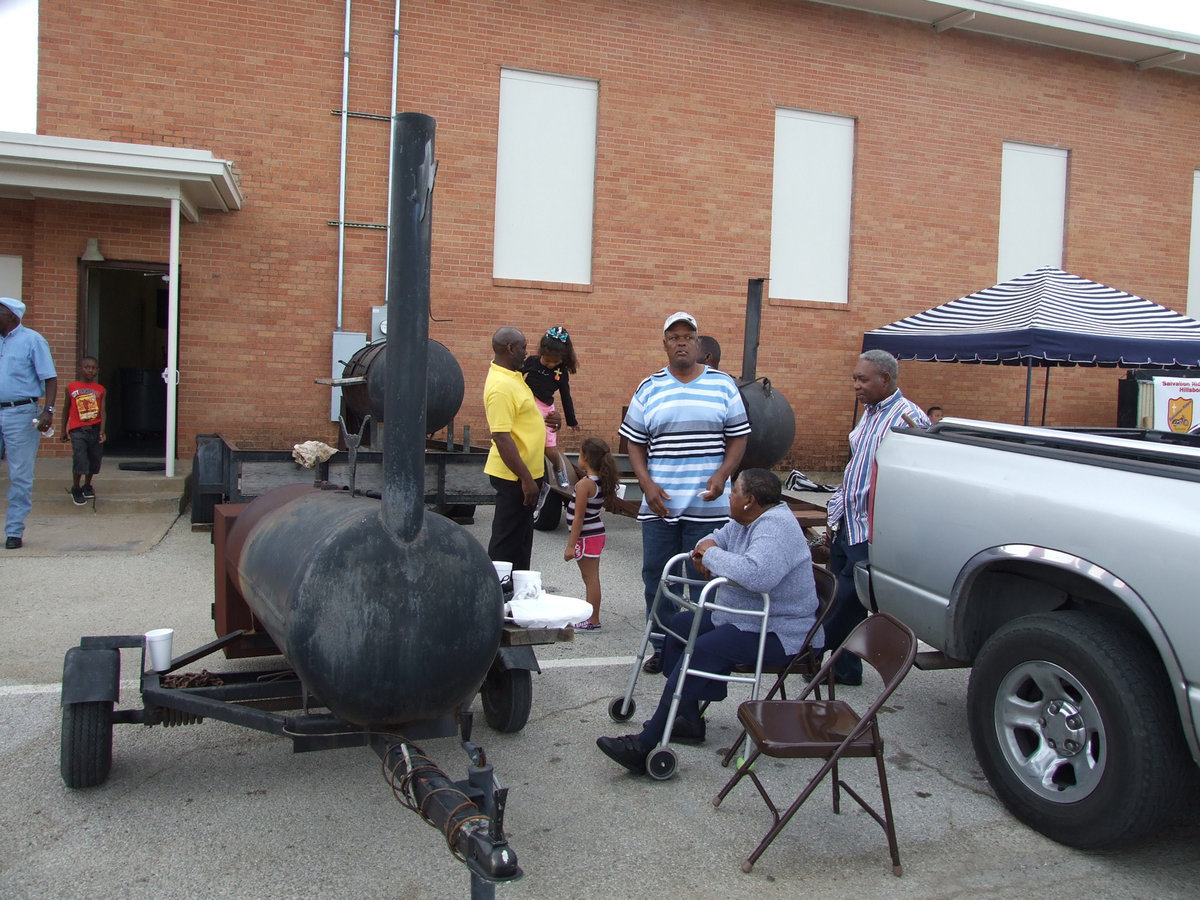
{"points": [[516, 461]]}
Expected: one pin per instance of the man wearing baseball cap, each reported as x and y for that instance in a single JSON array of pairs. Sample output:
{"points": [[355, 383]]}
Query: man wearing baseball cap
{"points": [[687, 429], [26, 375]]}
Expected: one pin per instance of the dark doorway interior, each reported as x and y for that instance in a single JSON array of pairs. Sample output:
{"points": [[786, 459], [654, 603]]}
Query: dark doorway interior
{"points": [[124, 325]]}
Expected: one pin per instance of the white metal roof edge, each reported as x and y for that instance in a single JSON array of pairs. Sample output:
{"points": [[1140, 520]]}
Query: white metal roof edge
{"points": [[207, 181], [1038, 23]]}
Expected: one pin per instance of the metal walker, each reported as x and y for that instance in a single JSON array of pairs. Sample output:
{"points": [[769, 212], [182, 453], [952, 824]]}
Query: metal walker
{"points": [[677, 588]]}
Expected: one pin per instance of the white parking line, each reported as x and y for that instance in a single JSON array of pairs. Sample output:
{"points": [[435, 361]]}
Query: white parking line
{"points": [[586, 661]]}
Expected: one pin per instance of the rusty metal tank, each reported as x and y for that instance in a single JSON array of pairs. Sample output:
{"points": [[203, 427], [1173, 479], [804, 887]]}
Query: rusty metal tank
{"points": [[389, 616], [772, 422], [444, 384]]}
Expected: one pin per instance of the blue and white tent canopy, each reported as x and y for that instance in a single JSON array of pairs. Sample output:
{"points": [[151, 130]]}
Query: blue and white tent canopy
{"points": [[1048, 317]]}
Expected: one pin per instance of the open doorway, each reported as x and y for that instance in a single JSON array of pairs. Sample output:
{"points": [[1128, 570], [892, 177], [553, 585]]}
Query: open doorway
{"points": [[123, 323]]}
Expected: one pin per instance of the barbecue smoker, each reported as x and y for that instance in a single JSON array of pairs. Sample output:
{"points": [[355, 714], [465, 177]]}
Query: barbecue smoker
{"points": [[389, 619], [772, 422]]}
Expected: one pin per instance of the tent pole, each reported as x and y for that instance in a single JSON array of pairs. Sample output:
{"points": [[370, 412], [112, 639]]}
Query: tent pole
{"points": [[1045, 395], [1028, 381]]}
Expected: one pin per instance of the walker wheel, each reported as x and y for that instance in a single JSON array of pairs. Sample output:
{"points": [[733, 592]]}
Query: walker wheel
{"points": [[614, 709], [662, 763]]}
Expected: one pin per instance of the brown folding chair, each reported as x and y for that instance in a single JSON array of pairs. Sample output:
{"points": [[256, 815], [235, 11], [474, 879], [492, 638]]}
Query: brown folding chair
{"points": [[829, 729], [807, 661]]}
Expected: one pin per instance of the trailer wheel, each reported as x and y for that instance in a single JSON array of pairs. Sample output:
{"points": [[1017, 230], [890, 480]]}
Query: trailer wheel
{"points": [[547, 518], [86, 756], [1075, 729], [507, 699]]}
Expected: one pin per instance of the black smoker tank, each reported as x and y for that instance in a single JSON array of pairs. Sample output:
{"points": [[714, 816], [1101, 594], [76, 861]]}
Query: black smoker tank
{"points": [[389, 616], [772, 422]]}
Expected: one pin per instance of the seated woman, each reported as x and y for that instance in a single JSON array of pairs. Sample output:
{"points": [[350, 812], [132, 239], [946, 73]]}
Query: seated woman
{"points": [[762, 550]]}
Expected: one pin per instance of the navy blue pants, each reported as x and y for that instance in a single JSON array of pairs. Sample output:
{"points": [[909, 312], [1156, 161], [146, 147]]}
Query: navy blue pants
{"points": [[847, 611], [718, 649]]}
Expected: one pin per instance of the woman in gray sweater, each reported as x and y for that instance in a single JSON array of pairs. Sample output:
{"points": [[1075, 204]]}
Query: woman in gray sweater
{"points": [[762, 550]]}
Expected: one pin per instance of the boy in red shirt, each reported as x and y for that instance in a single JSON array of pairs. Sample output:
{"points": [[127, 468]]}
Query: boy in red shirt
{"points": [[85, 428]]}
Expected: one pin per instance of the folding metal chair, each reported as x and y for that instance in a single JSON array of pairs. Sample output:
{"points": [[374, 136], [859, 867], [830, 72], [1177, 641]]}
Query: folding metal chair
{"points": [[806, 661], [829, 729]]}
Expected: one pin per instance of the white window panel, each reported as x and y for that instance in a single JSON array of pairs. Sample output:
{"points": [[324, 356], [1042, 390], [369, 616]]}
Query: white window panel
{"points": [[18, 65], [1033, 208], [10, 277], [545, 178], [810, 206]]}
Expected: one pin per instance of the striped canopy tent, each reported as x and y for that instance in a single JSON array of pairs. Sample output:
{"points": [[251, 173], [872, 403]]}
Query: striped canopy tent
{"points": [[1045, 318]]}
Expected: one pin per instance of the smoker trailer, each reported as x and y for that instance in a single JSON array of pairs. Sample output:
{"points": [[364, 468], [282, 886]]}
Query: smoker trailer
{"points": [[366, 598]]}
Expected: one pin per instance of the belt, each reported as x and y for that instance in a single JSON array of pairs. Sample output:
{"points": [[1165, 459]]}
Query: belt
{"points": [[4, 404]]}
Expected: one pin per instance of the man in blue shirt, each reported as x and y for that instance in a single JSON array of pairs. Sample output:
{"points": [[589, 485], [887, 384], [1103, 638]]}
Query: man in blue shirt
{"points": [[885, 407], [687, 429], [26, 373]]}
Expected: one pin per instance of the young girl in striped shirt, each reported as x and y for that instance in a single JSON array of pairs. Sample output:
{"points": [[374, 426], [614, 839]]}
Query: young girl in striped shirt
{"points": [[586, 540]]}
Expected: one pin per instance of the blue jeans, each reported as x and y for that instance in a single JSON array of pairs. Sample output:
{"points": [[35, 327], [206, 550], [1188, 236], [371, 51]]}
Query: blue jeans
{"points": [[19, 440], [662, 540]]}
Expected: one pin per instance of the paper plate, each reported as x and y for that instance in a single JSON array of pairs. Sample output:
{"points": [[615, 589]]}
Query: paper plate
{"points": [[547, 611]]}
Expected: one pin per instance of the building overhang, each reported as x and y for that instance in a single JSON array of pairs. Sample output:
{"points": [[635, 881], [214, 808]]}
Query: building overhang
{"points": [[1143, 46], [34, 166]]}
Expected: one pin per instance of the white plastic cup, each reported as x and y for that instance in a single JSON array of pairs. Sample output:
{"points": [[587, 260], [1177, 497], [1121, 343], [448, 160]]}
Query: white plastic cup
{"points": [[526, 583], [158, 644], [503, 569]]}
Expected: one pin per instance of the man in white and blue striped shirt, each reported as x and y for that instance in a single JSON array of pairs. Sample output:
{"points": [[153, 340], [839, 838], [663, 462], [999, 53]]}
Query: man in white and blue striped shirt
{"points": [[687, 429], [875, 378]]}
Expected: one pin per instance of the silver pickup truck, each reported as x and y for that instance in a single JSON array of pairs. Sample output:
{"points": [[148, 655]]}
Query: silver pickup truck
{"points": [[1061, 566]]}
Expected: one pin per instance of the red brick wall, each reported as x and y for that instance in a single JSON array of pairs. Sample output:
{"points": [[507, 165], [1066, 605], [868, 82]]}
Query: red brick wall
{"points": [[683, 188]]}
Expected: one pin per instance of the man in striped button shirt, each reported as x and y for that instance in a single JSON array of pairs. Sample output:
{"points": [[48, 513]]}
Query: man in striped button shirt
{"points": [[687, 429], [885, 407]]}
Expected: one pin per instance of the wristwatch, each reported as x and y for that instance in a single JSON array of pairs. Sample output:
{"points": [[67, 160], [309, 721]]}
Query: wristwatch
{"points": [[49, 409]]}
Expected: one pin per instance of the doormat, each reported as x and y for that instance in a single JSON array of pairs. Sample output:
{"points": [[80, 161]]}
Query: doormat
{"points": [[142, 466]]}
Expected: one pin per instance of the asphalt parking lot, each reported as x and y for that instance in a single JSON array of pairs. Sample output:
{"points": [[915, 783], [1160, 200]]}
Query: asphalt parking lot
{"points": [[213, 810]]}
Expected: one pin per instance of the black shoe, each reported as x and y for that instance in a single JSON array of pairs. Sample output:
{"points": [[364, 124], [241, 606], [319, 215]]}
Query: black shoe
{"points": [[77, 496], [624, 750], [13, 543], [685, 731], [89, 492], [653, 665], [848, 680]]}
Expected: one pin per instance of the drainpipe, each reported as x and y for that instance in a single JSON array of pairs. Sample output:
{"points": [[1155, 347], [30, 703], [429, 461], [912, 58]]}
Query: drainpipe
{"points": [[342, 168], [171, 374], [391, 145]]}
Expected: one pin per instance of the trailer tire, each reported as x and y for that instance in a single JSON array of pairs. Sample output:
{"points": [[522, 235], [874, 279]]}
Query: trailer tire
{"points": [[507, 699], [547, 518], [86, 756], [1075, 729]]}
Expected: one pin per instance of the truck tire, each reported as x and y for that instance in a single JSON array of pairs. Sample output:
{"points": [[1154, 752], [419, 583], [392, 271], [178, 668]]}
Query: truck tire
{"points": [[1076, 730], [86, 750]]}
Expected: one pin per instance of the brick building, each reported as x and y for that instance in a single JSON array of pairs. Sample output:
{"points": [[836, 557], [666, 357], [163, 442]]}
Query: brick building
{"points": [[904, 116]]}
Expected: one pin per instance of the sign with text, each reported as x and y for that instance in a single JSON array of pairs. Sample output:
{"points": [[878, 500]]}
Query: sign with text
{"points": [[1176, 403]]}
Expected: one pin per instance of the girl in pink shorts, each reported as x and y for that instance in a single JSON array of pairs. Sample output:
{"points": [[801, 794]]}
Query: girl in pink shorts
{"points": [[586, 539]]}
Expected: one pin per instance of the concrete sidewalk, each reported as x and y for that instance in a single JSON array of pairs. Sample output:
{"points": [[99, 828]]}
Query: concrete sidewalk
{"points": [[132, 511], [214, 810]]}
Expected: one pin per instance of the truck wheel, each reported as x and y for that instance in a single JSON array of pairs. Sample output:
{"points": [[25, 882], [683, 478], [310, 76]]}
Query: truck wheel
{"points": [[86, 755], [507, 699], [1076, 730], [546, 518]]}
